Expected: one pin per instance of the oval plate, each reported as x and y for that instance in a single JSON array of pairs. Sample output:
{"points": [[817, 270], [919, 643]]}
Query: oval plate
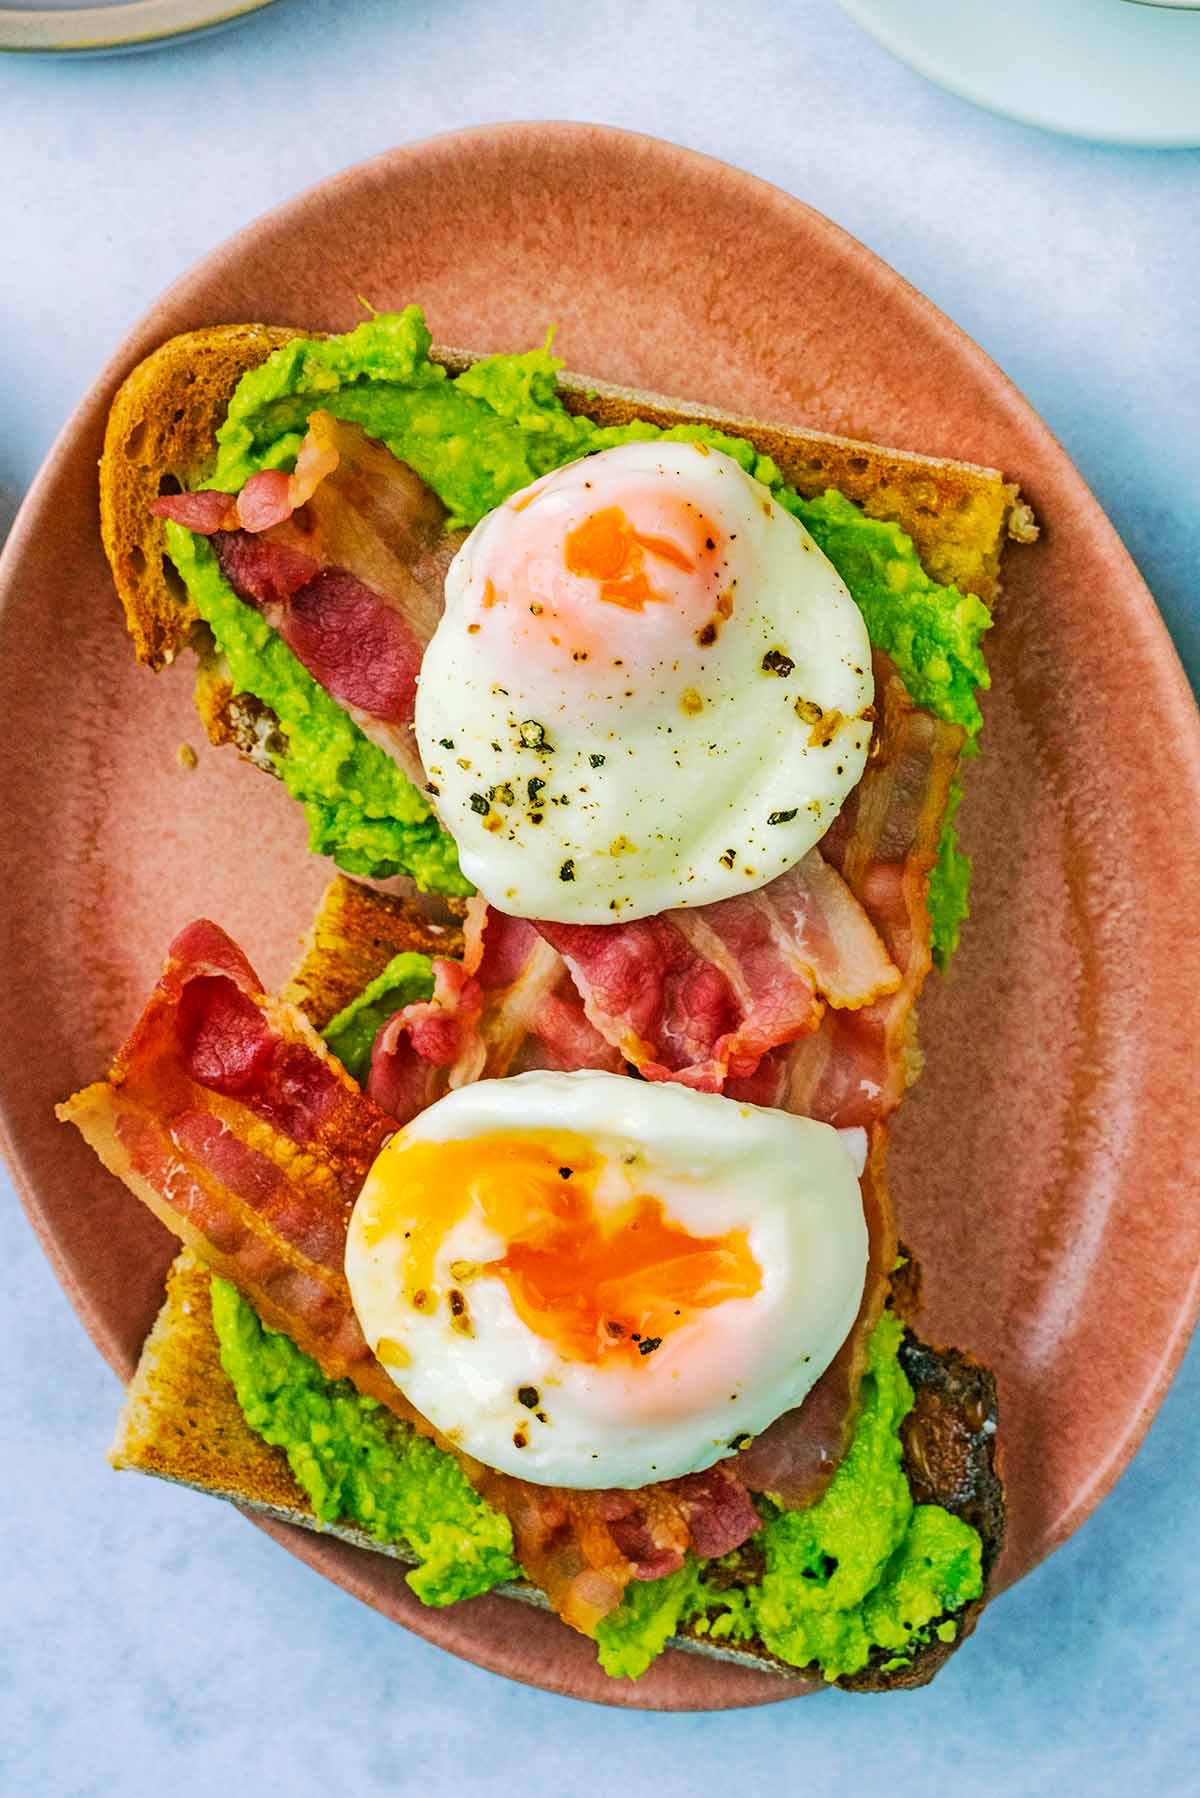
{"points": [[1039, 1165]]}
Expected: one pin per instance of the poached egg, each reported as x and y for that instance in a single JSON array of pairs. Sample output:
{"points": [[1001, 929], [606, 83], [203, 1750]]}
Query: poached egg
{"points": [[649, 688], [587, 1280]]}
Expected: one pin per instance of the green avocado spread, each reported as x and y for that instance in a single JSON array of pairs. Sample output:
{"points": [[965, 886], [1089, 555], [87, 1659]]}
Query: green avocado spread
{"points": [[860, 1571], [360, 1464], [477, 438], [351, 1034]]}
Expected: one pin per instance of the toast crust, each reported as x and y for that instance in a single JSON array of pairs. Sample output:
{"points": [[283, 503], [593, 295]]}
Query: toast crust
{"points": [[356, 932], [161, 436]]}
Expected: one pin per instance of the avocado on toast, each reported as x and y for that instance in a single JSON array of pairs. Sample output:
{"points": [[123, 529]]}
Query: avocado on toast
{"points": [[918, 544]]}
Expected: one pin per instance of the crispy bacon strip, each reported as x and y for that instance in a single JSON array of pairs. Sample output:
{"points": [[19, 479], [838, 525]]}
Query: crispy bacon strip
{"points": [[701, 996], [227, 1116], [346, 559], [417, 1049], [509, 1006], [856, 1066]]}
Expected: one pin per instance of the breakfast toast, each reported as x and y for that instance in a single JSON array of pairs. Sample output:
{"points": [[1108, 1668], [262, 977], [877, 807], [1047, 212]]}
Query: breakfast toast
{"points": [[182, 1421], [917, 544]]}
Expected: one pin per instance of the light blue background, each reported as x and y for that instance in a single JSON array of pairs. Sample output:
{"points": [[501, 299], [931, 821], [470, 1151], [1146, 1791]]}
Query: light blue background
{"points": [[152, 1641]]}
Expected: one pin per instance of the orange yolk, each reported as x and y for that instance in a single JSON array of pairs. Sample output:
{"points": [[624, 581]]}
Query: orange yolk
{"points": [[594, 1283], [607, 548]]}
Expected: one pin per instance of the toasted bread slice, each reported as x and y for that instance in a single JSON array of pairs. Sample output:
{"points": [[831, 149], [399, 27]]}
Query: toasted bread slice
{"points": [[162, 430], [182, 1422], [161, 438], [354, 935]]}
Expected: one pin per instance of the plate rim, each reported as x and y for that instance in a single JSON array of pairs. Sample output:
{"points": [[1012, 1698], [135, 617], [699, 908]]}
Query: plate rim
{"points": [[123, 25], [1137, 606]]}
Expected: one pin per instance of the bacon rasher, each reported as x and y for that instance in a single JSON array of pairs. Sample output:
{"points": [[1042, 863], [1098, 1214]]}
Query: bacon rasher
{"points": [[228, 1117], [346, 558]]}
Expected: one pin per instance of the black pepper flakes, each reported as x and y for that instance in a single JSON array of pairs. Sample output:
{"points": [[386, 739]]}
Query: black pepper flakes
{"points": [[564, 1173], [776, 662], [430, 788], [597, 761], [480, 804], [534, 786], [529, 1397], [567, 871], [782, 817], [446, 742], [648, 1344], [533, 734]]}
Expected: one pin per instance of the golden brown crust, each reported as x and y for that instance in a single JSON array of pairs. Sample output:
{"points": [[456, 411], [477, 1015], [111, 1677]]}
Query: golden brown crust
{"points": [[181, 1419], [161, 435], [162, 429], [354, 935]]}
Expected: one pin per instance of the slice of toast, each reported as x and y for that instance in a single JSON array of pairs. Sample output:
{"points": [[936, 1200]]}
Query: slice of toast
{"points": [[355, 934], [181, 1420], [161, 437]]}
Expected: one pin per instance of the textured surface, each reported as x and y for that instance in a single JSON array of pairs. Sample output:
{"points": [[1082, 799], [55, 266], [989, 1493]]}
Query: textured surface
{"points": [[1075, 275]]}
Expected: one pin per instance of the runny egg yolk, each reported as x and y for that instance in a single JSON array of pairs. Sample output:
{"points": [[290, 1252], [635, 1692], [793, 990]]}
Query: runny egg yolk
{"points": [[607, 548], [596, 1282]]}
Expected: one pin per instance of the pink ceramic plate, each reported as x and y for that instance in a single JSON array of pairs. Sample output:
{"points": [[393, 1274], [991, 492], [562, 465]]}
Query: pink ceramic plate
{"points": [[1039, 1166]]}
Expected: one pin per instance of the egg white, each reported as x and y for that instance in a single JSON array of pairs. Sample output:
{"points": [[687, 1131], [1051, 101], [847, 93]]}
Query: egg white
{"points": [[668, 771], [727, 1372]]}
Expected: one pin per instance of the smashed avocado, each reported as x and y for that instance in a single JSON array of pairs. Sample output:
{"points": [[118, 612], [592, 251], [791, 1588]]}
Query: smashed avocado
{"points": [[361, 1464], [476, 439], [351, 1034], [948, 886], [860, 1570]]}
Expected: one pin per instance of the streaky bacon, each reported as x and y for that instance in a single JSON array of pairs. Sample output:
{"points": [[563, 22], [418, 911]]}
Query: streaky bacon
{"points": [[855, 1067], [346, 558], [718, 1508], [700, 996], [418, 1046], [509, 1006], [225, 1114]]}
